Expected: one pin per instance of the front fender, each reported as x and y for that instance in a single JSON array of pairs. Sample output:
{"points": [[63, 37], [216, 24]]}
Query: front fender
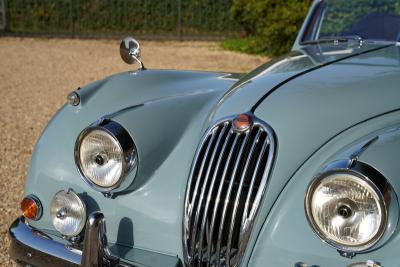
{"points": [[286, 237], [166, 113]]}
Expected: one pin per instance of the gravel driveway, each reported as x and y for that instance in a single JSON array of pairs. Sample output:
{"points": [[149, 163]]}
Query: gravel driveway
{"points": [[37, 74]]}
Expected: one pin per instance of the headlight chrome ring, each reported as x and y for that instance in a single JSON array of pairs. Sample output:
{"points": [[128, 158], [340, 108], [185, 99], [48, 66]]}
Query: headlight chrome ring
{"points": [[104, 154], [349, 208]]}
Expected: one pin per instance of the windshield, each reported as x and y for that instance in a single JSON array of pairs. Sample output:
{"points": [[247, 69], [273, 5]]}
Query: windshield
{"points": [[377, 20]]}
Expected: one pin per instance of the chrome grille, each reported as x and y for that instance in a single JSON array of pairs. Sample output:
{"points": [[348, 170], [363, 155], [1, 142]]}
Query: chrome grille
{"points": [[227, 182]]}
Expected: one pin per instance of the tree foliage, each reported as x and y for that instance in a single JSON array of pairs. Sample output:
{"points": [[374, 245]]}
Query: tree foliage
{"points": [[270, 26]]}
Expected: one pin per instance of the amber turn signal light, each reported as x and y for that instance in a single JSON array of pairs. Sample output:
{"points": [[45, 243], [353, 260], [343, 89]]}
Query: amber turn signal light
{"points": [[31, 208]]}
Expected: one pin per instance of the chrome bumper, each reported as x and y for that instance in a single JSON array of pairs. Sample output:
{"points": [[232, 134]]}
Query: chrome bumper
{"points": [[29, 246], [32, 247]]}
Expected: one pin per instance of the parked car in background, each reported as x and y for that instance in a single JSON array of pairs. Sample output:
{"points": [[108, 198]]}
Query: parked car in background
{"points": [[293, 164]]}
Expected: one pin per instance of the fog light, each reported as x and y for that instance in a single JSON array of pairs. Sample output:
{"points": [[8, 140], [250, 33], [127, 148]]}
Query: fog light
{"points": [[31, 208], [68, 213]]}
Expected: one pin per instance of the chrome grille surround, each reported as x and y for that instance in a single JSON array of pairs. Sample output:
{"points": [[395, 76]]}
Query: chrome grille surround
{"points": [[227, 182]]}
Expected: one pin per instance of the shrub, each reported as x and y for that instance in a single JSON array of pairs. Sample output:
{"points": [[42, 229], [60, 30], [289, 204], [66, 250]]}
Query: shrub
{"points": [[249, 45], [270, 26]]}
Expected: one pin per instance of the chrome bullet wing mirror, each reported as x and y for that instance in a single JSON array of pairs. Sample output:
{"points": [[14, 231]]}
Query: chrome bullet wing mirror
{"points": [[130, 52]]}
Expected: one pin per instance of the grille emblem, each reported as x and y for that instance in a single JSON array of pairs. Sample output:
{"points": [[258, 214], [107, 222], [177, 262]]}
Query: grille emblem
{"points": [[242, 122]]}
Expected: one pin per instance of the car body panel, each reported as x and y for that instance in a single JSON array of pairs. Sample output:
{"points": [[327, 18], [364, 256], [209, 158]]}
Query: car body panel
{"points": [[323, 103], [258, 84], [296, 241], [316, 95], [166, 141]]}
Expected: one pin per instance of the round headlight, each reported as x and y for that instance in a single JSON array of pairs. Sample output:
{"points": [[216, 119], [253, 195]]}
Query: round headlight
{"points": [[104, 154], [101, 158], [68, 213], [346, 210]]}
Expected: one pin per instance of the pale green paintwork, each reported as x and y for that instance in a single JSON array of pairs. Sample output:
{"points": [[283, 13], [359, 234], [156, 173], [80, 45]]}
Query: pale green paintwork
{"points": [[322, 104], [313, 99], [292, 236], [164, 129]]}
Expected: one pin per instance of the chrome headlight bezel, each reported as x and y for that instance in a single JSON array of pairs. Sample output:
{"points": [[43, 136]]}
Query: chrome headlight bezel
{"points": [[377, 183], [126, 145]]}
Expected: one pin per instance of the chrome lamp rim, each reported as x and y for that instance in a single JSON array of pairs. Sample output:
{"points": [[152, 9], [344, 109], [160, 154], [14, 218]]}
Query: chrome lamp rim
{"points": [[383, 203], [129, 153]]}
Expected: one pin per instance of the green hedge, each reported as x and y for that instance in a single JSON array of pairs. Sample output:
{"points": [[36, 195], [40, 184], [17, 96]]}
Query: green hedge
{"points": [[147, 17], [264, 26], [269, 26]]}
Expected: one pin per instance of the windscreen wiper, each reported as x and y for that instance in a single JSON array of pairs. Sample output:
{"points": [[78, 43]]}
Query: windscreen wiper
{"points": [[335, 40]]}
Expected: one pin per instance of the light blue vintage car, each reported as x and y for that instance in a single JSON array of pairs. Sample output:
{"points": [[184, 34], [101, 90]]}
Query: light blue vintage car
{"points": [[295, 164]]}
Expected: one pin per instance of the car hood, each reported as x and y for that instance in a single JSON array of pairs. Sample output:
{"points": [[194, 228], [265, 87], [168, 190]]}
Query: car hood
{"points": [[252, 88]]}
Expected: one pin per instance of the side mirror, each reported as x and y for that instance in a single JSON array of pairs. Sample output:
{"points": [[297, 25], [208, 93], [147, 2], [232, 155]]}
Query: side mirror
{"points": [[130, 52]]}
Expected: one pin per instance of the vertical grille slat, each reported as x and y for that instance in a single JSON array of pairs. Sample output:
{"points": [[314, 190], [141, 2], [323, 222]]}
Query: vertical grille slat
{"points": [[218, 197], [190, 205], [226, 202], [219, 134], [253, 180], [263, 183], [209, 196], [238, 195], [225, 188], [246, 219]]}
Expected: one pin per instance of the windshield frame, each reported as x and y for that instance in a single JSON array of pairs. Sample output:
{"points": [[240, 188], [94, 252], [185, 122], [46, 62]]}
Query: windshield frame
{"points": [[313, 23]]}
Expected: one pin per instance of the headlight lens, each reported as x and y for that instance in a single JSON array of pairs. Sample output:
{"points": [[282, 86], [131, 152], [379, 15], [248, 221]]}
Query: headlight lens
{"points": [[101, 158], [104, 154], [347, 210], [68, 213]]}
